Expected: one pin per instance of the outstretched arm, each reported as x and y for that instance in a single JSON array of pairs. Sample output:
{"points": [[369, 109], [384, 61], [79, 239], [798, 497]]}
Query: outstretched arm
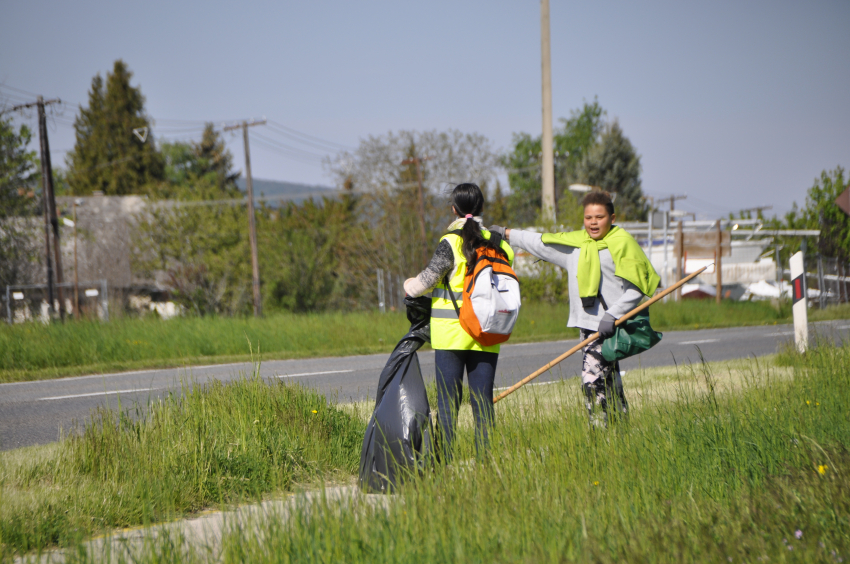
{"points": [[530, 242], [441, 264]]}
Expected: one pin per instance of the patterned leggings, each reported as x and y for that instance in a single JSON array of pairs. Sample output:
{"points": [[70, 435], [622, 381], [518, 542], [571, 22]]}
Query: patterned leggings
{"points": [[601, 383]]}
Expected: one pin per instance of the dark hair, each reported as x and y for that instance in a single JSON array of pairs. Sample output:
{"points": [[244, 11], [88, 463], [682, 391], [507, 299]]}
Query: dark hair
{"points": [[468, 200], [599, 198]]}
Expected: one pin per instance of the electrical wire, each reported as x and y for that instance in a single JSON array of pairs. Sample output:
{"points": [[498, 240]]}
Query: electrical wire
{"points": [[284, 146], [21, 90], [290, 130], [286, 154]]}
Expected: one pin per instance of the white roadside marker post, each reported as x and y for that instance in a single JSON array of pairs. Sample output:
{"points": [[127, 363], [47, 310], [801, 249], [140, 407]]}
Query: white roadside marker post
{"points": [[799, 302]]}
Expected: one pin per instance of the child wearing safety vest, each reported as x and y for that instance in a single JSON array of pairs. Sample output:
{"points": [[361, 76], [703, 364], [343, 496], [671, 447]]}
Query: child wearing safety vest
{"points": [[608, 276], [455, 350]]}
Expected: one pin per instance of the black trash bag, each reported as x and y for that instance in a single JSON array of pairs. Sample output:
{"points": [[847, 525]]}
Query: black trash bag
{"points": [[399, 438]]}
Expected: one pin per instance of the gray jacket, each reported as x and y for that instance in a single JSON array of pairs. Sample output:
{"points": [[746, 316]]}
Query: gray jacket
{"points": [[621, 296]]}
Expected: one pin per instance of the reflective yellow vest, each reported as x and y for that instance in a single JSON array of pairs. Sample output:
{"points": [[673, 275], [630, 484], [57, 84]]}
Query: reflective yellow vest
{"points": [[446, 332]]}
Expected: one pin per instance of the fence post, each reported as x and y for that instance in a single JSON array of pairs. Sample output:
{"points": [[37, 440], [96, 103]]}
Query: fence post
{"points": [[799, 301], [381, 306], [821, 289], [8, 307], [104, 299]]}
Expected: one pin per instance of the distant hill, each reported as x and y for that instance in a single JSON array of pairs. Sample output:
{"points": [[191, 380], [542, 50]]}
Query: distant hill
{"points": [[277, 191]]}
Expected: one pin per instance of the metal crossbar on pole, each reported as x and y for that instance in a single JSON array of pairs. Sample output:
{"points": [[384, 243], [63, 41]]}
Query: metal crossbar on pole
{"points": [[595, 336]]}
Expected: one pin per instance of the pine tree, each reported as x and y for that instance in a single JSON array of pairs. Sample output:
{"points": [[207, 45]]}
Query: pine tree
{"points": [[107, 155], [614, 165]]}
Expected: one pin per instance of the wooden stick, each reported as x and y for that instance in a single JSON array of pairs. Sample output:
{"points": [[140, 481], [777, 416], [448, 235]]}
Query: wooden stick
{"points": [[595, 336]]}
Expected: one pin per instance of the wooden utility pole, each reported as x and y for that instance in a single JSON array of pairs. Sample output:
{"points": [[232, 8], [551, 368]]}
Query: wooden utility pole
{"points": [[51, 220], [718, 266], [416, 161], [672, 200], [252, 226], [548, 172]]}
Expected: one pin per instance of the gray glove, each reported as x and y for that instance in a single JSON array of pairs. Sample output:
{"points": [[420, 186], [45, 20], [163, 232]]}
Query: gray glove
{"points": [[606, 326], [497, 229]]}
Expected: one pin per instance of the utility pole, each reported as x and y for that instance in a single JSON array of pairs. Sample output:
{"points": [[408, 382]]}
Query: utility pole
{"points": [[756, 209], [548, 172], [252, 226], [672, 200], [416, 161], [50, 217]]}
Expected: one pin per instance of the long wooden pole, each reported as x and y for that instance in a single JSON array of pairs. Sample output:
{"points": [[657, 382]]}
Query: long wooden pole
{"points": [[547, 142], [595, 336]]}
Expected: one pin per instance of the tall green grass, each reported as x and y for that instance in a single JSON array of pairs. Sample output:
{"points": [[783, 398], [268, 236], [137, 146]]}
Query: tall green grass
{"points": [[34, 351], [757, 472], [205, 446]]}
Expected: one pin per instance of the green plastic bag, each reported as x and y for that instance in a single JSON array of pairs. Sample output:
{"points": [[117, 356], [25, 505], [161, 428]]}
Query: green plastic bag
{"points": [[631, 338]]}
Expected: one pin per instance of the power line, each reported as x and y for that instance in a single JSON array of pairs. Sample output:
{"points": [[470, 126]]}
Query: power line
{"points": [[308, 136], [283, 145], [286, 154], [22, 91]]}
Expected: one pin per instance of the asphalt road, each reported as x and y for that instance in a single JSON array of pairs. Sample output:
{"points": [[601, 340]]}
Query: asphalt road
{"points": [[35, 412]]}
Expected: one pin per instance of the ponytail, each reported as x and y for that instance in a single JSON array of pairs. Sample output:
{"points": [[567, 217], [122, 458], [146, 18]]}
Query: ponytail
{"points": [[469, 201]]}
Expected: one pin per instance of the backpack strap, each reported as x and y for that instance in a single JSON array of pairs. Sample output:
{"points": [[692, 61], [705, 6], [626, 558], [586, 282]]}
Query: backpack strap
{"points": [[451, 294]]}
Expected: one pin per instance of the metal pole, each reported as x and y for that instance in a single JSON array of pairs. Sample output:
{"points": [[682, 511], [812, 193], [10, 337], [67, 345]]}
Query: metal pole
{"points": [[649, 238], [76, 277], [821, 289], [664, 273], [548, 172], [8, 306], [718, 266], [680, 253], [778, 270]]}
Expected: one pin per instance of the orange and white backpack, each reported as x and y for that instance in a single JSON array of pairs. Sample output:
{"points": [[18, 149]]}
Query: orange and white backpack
{"points": [[491, 296]]}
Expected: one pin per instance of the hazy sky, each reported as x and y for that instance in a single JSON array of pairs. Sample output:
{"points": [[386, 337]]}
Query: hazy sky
{"points": [[734, 103]]}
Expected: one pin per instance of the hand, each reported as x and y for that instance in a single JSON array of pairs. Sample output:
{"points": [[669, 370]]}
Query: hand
{"points": [[497, 229], [606, 326]]}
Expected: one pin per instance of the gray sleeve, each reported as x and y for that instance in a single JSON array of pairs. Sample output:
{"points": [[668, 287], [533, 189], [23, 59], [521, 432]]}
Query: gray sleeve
{"points": [[441, 264], [530, 241], [627, 302]]}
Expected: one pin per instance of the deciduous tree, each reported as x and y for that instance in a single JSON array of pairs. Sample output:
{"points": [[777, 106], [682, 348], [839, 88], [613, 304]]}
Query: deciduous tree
{"points": [[19, 205]]}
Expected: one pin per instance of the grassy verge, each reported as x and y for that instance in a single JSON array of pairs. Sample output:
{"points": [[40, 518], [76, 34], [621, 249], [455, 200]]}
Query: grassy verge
{"points": [[34, 351], [748, 467], [204, 447], [717, 461]]}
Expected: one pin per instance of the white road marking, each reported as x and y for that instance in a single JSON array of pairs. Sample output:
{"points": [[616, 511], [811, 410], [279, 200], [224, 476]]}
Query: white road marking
{"points": [[535, 384], [699, 342], [780, 334], [843, 327], [312, 373], [99, 394]]}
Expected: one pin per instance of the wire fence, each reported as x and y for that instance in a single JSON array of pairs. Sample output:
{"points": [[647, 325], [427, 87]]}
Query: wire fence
{"points": [[828, 277], [31, 303]]}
